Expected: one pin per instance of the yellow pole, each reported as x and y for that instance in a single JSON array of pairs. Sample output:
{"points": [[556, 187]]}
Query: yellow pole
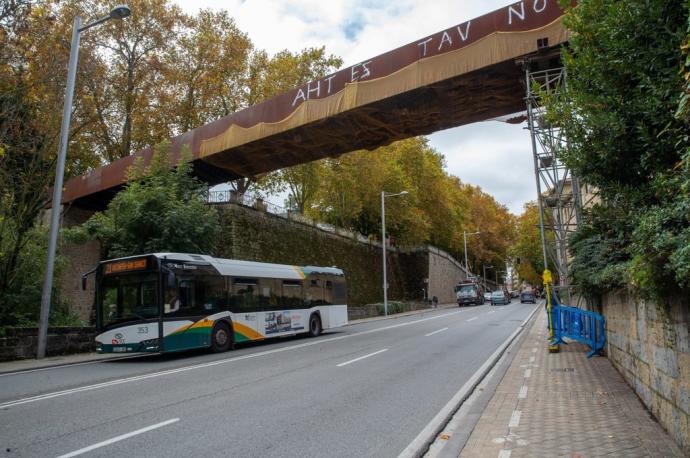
{"points": [[549, 308]]}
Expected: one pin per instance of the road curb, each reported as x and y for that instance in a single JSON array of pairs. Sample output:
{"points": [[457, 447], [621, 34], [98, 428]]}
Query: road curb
{"points": [[420, 444]]}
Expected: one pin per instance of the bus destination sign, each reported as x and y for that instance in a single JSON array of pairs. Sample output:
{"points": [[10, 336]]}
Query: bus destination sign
{"points": [[125, 266]]}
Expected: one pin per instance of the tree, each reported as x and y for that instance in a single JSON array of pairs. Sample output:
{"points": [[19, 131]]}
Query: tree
{"points": [[527, 248], [128, 81], [618, 115], [162, 208], [208, 70]]}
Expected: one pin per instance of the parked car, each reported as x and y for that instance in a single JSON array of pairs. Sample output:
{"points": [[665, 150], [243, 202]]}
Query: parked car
{"points": [[487, 296], [500, 297], [528, 296]]}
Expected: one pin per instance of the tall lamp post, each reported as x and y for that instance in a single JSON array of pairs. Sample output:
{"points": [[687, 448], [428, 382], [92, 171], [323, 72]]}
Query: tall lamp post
{"points": [[383, 241], [118, 12], [465, 234]]}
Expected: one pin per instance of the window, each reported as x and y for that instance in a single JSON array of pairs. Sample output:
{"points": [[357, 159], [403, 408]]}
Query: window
{"points": [[245, 295], [339, 291], [315, 293], [292, 294], [128, 298], [198, 295]]}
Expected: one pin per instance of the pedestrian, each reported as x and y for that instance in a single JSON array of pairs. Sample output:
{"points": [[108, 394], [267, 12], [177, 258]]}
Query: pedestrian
{"points": [[434, 301]]}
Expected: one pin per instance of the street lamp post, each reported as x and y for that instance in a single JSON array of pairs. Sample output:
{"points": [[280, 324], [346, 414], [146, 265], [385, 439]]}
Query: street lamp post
{"points": [[465, 234], [118, 12], [383, 241]]}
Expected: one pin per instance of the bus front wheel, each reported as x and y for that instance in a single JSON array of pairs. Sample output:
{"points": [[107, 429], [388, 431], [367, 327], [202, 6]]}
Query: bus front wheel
{"points": [[221, 340], [314, 325]]}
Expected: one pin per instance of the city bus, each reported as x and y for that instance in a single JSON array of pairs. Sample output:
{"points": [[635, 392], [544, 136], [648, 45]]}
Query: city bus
{"points": [[198, 301]]}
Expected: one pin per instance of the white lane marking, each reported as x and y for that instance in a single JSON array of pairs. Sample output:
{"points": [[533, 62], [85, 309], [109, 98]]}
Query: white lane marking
{"points": [[491, 312], [119, 438], [515, 419], [65, 366], [361, 358], [435, 332], [528, 373], [531, 359], [56, 394], [534, 350], [471, 319], [523, 392], [504, 454]]}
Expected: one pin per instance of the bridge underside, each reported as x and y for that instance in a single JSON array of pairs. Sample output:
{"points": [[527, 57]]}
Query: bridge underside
{"points": [[413, 90], [481, 95]]}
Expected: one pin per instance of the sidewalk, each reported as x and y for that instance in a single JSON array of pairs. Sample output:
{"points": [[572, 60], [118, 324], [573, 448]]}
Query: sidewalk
{"points": [[564, 404]]}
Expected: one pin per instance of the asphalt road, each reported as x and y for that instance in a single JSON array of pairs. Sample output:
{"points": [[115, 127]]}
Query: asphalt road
{"points": [[363, 390]]}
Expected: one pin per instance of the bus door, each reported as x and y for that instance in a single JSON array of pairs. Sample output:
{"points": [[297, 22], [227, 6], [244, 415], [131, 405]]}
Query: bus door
{"points": [[244, 301]]}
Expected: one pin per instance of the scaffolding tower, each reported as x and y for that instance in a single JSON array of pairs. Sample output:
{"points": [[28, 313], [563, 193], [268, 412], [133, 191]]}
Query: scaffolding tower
{"points": [[558, 190]]}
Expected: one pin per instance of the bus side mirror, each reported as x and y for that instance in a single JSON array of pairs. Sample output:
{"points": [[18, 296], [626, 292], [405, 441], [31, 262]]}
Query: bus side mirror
{"points": [[171, 279], [83, 283]]}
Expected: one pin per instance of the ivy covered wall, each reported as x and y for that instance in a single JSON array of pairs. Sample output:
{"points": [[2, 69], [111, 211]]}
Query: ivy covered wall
{"points": [[259, 236]]}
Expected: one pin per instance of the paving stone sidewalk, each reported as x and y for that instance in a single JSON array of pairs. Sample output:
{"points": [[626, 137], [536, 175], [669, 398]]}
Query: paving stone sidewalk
{"points": [[563, 404]]}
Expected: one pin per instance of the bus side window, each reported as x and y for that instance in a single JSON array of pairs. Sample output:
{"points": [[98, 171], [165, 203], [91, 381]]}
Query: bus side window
{"points": [[328, 291], [245, 295], [339, 291], [267, 298], [292, 294], [314, 293], [213, 296]]}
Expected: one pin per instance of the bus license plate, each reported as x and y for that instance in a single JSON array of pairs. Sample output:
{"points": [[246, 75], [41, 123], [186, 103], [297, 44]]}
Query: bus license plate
{"points": [[119, 349]]}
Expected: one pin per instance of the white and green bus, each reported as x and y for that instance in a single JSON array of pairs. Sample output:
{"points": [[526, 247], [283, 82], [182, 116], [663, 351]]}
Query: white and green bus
{"points": [[197, 301]]}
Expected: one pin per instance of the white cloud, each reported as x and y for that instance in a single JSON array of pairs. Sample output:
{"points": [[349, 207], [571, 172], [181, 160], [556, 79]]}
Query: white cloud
{"points": [[493, 155]]}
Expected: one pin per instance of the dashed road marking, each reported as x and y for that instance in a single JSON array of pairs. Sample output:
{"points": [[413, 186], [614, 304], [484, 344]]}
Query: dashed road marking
{"points": [[491, 312], [471, 319], [504, 454], [534, 350], [528, 373], [531, 359], [515, 419], [361, 358], [523, 392], [119, 438], [435, 332]]}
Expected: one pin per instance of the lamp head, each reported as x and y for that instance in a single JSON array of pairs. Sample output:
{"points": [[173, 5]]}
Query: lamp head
{"points": [[404, 193], [120, 12]]}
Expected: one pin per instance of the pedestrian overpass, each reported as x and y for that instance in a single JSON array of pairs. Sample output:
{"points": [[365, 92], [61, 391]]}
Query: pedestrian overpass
{"points": [[470, 72]]}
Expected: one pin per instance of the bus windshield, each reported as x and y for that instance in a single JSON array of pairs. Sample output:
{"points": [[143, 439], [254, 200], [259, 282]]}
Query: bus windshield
{"points": [[128, 297]]}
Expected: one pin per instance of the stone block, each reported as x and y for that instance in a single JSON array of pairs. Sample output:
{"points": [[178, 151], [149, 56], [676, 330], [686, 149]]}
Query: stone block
{"points": [[666, 360], [683, 396], [663, 385], [643, 373]]}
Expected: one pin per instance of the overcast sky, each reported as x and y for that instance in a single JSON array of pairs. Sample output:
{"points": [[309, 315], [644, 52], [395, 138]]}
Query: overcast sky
{"points": [[491, 154]]}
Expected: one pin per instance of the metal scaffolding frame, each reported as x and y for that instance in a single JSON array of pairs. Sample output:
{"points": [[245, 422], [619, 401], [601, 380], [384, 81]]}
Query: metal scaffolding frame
{"points": [[559, 197]]}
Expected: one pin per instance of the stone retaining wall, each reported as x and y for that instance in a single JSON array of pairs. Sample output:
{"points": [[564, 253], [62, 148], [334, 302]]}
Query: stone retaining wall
{"points": [[21, 343], [649, 344]]}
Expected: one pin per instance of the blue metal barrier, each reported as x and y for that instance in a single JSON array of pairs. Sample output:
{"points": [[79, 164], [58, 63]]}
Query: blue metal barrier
{"points": [[580, 325]]}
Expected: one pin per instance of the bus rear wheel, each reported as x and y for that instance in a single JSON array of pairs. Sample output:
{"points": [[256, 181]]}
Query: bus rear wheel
{"points": [[314, 325], [221, 340]]}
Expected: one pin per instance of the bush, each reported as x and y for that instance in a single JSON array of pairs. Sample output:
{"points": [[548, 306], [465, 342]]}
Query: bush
{"points": [[162, 208]]}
